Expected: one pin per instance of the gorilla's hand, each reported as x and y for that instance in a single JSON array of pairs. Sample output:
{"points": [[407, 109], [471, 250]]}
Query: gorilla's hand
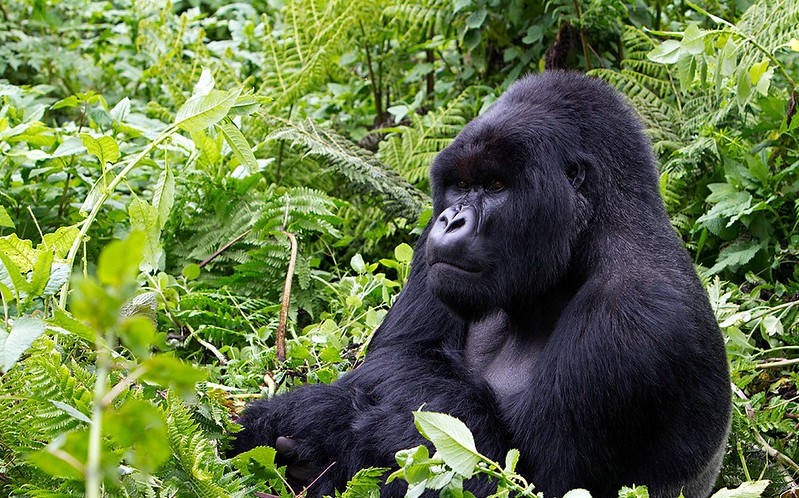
{"points": [[300, 471]]}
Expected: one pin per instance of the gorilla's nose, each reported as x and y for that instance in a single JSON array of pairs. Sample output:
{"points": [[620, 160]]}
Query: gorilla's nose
{"points": [[453, 232]]}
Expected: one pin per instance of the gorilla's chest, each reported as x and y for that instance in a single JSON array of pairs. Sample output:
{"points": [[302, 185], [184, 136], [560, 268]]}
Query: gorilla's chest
{"points": [[503, 359]]}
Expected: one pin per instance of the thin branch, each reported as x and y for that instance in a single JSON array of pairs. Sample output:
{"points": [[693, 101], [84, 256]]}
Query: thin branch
{"points": [[224, 248], [284, 306]]}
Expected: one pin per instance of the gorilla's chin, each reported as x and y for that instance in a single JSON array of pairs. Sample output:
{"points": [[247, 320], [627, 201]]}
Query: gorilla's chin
{"points": [[463, 291]]}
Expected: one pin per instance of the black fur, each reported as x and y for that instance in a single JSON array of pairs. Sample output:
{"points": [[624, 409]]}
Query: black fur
{"points": [[551, 307]]}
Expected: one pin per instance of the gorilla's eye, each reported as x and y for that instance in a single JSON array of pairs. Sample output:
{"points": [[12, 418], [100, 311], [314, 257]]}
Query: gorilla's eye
{"points": [[462, 184], [494, 185]]}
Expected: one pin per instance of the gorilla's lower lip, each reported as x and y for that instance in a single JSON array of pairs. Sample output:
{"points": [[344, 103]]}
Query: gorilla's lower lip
{"points": [[455, 266]]}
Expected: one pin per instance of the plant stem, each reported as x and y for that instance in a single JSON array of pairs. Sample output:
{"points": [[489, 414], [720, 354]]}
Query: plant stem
{"points": [[104, 194], [94, 477]]}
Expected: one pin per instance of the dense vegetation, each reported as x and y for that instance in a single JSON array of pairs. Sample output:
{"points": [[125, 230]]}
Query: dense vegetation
{"points": [[183, 185]]}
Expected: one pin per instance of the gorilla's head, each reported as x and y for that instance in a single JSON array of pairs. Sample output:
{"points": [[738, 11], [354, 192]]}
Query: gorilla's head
{"points": [[523, 191]]}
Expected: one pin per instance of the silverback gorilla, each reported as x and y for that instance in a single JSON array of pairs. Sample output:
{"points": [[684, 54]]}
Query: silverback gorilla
{"points": [[550, 306]]}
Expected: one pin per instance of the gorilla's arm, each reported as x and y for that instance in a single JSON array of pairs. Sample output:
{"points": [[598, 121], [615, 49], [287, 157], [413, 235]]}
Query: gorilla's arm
{"points": [[361, 420], [621, 394]]}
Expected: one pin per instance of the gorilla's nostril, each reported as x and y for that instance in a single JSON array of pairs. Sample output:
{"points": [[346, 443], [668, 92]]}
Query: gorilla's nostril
{"points": [[456, 224]]}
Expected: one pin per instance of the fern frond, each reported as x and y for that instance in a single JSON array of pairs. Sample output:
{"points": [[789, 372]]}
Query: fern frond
{"points": [[412, 150], [649, 87], [366, 173], [196, 461]]}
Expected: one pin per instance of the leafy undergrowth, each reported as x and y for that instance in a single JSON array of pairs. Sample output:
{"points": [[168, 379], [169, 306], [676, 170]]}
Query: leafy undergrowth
{"points": [[165, 168]]}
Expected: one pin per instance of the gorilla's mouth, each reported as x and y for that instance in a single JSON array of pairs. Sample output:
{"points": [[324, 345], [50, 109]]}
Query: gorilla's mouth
{"points": [[455, 266]]}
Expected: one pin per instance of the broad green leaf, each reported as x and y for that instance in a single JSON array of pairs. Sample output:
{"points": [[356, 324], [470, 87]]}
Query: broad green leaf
{"points": [[772, 325], [15, 275], [729, 58], [118, 263], [666, 53], [104, 148], [144, 304], [758, 70], [205, 85], [60, 241], [453, 441], [70, 146], [63, 322], [20, 251], [693, 40], [71, 101], [476, 18], [358, 264], [202, 111], [171, 372], [403, 253], [41, 272], [120, 111], [511, 459], [65, 456], [139, 428], [743, 90], [24, 331], [751, 489], [5, 219], [191, 271], [144, 219], [59, 274], [238, 143], [137, 334], [245, 105], [164, 195]]}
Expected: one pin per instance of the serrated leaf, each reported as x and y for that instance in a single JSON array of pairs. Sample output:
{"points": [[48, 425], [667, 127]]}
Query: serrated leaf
{"points": [[24, 331], [736, 254], [5, 219], [59, 274], [202, 111], [751, 489], [453, 441], [511, 459], [60, 241], [238, 143], [103, 148], [20, 251], [9, 267], [667, 52]]}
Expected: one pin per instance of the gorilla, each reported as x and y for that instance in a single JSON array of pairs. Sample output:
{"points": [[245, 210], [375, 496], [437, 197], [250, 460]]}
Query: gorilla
{"points": [[551, 307]]}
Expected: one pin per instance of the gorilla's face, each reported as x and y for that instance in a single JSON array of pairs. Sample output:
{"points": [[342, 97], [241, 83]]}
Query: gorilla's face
{"points": [[509, 205]]}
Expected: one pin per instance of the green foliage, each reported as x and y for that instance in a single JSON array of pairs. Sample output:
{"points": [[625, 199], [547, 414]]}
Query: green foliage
{"points": [[134, 122]]}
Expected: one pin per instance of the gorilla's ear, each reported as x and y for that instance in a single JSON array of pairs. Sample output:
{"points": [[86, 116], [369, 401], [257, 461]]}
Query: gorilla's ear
{"points": [[575, 170]]}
